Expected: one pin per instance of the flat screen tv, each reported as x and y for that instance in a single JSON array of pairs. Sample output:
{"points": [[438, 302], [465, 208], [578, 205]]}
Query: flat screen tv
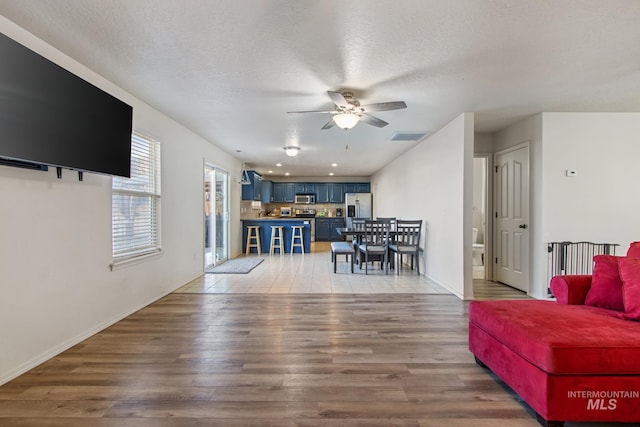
{"points": [[49, 116]]}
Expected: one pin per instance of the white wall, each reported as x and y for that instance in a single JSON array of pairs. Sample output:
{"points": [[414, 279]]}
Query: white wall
{"points": [[529, 130], [55, 237], [483, 143], [433, 182], [600, 204]]}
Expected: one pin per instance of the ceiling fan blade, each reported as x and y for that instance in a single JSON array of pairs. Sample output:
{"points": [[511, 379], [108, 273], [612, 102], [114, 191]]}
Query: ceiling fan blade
{"points": [[311, 111], [338, 99], [385, 106], [373, 121], [329, 124]]}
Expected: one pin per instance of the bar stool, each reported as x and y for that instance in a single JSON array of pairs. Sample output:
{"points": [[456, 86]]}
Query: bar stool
{"points": [[253, 239], [277, 233], [296, 233]]}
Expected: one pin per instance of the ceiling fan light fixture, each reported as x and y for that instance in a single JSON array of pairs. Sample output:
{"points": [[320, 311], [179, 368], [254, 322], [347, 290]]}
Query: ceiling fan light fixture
{"points": [[346, 120], [291, 151]]}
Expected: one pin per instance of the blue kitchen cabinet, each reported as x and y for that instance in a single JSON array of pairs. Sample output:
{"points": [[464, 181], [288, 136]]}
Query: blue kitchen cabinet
{"points": [[251, 191], [289, 192], [329, 193], [327, 229], [304, 188], [357, 187], [266, 191], [283, 192], [278, 192], [349, 187], [322, 193], [336, 193], [363, 187]]}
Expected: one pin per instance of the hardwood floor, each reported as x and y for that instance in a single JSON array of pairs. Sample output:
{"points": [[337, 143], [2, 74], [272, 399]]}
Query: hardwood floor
{"points": [[206, 359], [486, 290]]}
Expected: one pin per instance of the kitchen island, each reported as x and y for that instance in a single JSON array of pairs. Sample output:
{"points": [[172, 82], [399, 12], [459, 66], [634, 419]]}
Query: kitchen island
{"points": [[265, 232]]}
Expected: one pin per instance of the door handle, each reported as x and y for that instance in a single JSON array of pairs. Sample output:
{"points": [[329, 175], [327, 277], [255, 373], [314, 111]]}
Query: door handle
{"points": [[523, 226]]}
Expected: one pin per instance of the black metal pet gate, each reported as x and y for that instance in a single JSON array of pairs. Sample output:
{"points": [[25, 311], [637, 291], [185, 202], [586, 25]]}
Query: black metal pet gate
{"points": [[575, 257]]}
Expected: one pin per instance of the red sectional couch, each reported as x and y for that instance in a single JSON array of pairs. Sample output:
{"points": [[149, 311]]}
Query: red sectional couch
{"points": [[577, 359]]}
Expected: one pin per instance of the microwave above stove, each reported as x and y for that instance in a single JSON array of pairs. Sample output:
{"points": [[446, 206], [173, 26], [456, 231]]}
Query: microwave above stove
{"points": [[305, 199]]}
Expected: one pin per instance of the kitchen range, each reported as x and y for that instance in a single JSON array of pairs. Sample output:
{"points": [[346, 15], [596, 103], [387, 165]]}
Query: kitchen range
{"points": [[311, 215]]}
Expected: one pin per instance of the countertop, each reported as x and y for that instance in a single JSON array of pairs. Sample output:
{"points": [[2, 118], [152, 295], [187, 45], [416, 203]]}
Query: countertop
{"points": [[289, 218], [275, 218]]}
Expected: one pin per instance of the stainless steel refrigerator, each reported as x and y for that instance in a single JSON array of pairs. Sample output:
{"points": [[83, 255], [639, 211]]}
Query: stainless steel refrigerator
{"points": [[358, 205]]}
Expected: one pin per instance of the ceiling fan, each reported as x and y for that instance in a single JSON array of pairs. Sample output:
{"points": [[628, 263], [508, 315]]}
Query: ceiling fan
{"points": [[348, 111]]}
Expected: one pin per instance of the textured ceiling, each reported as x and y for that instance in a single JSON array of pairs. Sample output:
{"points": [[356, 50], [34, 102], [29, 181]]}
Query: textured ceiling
{"points": [[230, 70]]}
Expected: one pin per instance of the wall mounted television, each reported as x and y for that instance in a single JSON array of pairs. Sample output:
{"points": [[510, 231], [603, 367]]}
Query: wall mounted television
{"points": [[51, 117]]}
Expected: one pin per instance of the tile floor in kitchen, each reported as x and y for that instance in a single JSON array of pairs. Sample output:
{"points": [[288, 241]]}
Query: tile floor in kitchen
{"points": [[313, 273]]}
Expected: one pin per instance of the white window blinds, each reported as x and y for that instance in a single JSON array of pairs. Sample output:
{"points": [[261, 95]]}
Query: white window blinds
{"points": [[135, 204]]}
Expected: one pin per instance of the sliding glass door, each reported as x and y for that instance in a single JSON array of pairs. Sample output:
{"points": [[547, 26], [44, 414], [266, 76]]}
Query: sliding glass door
{"points": [[216, 216]]}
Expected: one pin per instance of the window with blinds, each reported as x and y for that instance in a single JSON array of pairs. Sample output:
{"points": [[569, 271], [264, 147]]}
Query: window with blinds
{"points": [[135, 204]]}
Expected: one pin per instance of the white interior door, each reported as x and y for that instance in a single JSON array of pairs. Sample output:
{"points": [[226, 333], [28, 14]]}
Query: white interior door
{"points": [[512, 217]]}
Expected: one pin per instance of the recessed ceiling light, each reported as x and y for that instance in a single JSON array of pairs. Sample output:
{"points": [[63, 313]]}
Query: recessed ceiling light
{"points": [[330, 173], [270, 172], [279, 165], [287, 173], [335, 165]]}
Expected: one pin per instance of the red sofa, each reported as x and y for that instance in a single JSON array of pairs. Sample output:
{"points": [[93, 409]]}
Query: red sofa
{"points": [[577, 359]]}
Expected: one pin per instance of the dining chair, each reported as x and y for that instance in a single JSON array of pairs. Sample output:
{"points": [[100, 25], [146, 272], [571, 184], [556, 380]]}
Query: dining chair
{"points": [[407, 241], [375, 244], [392, 228], [391, 219], [358, 225]]}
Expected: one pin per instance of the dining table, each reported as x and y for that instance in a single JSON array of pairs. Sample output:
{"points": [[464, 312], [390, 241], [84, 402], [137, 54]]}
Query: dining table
{"points": [[357, 234]]}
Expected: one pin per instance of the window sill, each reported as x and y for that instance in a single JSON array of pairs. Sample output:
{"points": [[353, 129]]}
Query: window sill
{"points": [[127, 262]]}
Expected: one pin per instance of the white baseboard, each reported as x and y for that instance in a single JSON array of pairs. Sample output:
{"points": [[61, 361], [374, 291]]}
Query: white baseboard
{"points": [[52, 352]]}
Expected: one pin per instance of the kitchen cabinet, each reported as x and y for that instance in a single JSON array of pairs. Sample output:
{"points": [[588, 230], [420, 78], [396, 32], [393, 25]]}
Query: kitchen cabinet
{"points": [[252, 191], [364, 187], [266, 191], [278, 192], [325, 192], [322, 193], [357, 187], [283, 192], [336, 193], [304, 188], [329, 193], [327, 229], [289, 192]]}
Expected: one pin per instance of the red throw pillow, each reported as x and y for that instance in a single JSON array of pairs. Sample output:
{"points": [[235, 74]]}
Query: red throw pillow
{"points": [[634, 250], [630, 274], [606, 285]]}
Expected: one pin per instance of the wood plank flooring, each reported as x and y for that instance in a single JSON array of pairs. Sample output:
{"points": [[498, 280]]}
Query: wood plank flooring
{"points": [[206, 359]]}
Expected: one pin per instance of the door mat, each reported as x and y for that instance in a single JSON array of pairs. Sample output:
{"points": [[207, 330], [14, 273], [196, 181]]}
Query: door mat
{"points": [[236, 266]]}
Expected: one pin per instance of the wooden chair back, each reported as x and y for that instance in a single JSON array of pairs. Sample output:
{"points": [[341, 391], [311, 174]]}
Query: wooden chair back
{"points": [[376, 233], [408, 232]]}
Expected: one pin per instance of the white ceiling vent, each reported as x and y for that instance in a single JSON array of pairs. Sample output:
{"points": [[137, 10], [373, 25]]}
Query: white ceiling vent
{"points": [[408, 136]]}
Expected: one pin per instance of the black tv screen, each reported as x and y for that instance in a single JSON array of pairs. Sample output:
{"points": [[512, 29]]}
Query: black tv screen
{"points": [[50, 116]]}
